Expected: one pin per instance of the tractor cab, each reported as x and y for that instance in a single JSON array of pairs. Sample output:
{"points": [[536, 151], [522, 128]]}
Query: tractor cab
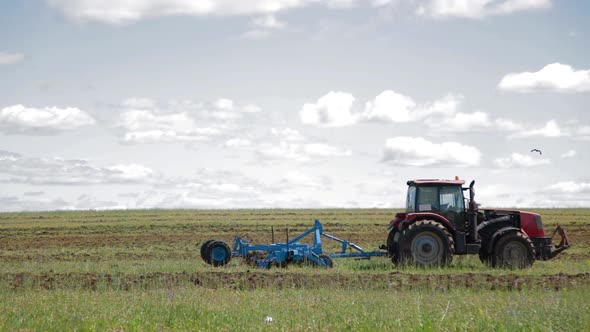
{"points": [[443, 197]]}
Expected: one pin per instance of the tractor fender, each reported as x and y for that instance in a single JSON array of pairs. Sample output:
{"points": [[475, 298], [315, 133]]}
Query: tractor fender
{"points": [[499, 233], [413, 217], [399, 217]]}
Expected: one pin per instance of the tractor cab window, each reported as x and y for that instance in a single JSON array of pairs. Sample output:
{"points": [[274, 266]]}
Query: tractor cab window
{"points": [[411, 200], [451, 199], [427, 199], [434, 198], [452, 204]]}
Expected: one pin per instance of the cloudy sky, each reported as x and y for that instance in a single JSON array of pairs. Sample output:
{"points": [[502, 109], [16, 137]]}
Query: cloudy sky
{"points": [[110, 104]]}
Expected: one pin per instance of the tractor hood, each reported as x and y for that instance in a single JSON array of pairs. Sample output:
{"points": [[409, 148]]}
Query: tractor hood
{"points": [[530, 222]]}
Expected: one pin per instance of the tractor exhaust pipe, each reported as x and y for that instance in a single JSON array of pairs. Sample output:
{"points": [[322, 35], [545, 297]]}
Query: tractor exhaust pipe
{"points": [[472, 213]]}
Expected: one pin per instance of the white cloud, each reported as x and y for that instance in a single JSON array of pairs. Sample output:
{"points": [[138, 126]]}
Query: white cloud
{"points": [[332, 110], [475, 121], [391, 106], [335, 109], [443, 116], [551, 129], [10, 58], [287, 134], [264, 26], [144, 120], [149, 127], [87, 202], [163, 136], [132, 171], [583, 133], [224, 104], [269, 22], [297, 179], [283, 150], [324, 150], [256, 34], [139, 103], [300, 152], [511, 196], [476, 9], [251, 108], [569, 154], [226, 109], [570, 187], [460, 122], [15, 168], [147, 120], [237, 143], [417, 151], [19, 118], [507, 125], [553, 77], [520, 160], [14, 203], [117, 12]]}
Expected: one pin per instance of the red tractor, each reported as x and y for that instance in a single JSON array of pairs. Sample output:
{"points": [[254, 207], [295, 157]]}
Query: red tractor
{"points": [[440, 222]]}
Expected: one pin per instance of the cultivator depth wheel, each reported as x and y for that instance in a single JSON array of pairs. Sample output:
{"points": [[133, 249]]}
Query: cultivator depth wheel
{"points": [[327, 260], [219, 253], [205, 251]]}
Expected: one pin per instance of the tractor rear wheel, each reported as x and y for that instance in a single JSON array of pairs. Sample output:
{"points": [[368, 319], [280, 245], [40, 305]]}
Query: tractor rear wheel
{"points": [[392, 245], [513, 251], [426, 243], [219, 253]]}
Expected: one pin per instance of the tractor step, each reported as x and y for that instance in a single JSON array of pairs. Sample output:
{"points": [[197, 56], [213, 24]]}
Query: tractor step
{"points": [[472, 248]]}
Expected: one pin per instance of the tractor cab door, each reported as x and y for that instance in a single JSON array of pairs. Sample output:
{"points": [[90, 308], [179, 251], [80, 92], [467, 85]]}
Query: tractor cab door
{"points": [[452, 205], [445, 200]]}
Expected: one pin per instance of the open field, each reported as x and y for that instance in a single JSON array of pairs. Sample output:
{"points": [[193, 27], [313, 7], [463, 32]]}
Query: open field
{"points": [[141, 269]]}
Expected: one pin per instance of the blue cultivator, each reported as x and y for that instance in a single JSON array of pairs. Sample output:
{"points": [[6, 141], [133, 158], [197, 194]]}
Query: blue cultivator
{"points": [[218, 253]]}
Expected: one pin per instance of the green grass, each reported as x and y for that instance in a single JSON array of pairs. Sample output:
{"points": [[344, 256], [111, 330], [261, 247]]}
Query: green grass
{"points": [[321, 309]]}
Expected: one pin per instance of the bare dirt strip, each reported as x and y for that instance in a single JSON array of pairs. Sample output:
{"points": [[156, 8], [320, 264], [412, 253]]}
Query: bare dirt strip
{"points": [[282, 280]]}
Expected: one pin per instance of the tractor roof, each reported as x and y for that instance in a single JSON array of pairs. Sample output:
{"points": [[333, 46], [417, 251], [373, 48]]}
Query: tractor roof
{"points": [[436, 181]]}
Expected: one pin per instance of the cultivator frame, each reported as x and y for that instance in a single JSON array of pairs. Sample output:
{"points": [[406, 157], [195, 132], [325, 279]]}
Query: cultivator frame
{"points": [[217, 253]]}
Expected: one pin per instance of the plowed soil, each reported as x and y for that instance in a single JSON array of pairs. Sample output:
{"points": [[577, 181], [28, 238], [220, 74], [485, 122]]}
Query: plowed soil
{"points": [[281, 280]]}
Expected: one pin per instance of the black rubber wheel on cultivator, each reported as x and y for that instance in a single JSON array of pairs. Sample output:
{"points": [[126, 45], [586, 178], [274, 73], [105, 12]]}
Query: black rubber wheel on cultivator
{"points": [[205, 251], [219, 253], [327, 260]]}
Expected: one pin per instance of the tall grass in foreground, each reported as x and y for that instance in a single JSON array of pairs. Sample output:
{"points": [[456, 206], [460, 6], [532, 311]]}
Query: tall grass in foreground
{"points": [[330, 310]]}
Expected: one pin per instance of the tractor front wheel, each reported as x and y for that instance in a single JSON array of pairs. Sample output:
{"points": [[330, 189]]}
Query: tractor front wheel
{"points": [[426, 243], [484, 257], [513, 251]]}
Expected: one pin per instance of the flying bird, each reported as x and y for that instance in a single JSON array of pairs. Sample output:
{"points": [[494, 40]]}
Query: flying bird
{"points": [[537, 150]]}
